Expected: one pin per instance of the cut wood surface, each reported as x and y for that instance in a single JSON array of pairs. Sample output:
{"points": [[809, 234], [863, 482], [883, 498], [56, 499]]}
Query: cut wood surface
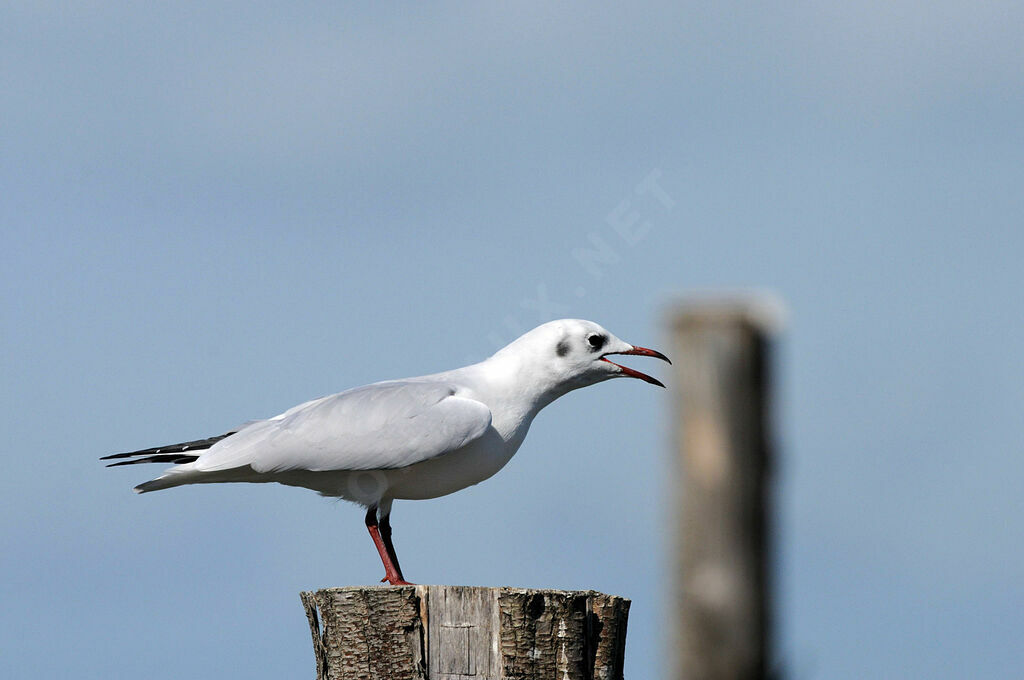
{"points": [[466, 633]]}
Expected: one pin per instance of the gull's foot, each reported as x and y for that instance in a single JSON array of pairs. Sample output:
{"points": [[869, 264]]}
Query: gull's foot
{"points": [[396, 581]]}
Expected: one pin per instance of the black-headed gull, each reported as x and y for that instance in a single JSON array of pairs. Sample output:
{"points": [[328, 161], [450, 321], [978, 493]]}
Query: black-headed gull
{"points": [[405, 439]]}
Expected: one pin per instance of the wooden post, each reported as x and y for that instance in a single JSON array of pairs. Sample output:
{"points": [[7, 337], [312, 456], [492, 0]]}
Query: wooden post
{"points": [[466, 633], [723, 499]]}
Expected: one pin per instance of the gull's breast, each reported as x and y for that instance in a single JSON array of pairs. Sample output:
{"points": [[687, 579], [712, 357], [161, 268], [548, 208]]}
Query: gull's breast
{"points": [[454, 470]]}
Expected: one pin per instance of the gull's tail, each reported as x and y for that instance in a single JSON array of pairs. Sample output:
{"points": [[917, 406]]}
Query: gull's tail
{"points": [[175, 476], [172, 453]]}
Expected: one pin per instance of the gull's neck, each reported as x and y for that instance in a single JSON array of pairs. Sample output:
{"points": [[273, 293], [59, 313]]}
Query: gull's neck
{"points": [[514, 389]]}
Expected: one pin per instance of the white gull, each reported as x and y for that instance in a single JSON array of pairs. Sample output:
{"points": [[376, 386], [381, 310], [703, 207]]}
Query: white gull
{"points": [[414, 438]]}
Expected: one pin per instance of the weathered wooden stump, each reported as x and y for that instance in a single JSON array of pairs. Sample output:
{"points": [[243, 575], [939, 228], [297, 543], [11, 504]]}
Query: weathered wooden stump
{"points": [[466, 633]]}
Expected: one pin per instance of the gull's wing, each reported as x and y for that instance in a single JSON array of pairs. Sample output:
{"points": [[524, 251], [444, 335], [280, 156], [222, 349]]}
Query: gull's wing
{"points": [[379, 426]]}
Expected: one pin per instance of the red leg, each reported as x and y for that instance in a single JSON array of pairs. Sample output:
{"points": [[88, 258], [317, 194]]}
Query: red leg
{"points": [[392, 574], [385, 534]]}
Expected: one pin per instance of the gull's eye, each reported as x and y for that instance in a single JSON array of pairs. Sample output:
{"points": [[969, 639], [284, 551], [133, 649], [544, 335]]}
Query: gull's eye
{"points": [[595, 341]]}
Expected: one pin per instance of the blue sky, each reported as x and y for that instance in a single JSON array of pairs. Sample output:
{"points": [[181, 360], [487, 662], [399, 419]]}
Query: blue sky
{"points": [[211, 213]]}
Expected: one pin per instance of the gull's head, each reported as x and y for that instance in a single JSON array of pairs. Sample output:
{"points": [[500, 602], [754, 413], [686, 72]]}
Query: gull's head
{"points": [[574, 353]]}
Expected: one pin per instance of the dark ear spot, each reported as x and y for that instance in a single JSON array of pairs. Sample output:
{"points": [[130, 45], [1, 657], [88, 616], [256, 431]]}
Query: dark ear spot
{"points": [[562, 348]]}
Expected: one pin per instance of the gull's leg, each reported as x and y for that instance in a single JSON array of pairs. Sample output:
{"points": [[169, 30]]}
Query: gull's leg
{"points": [[385, 533], [391, 572]]}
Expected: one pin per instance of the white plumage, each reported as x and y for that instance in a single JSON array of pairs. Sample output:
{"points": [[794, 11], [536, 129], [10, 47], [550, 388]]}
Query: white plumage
{"points": [[405, 439]]}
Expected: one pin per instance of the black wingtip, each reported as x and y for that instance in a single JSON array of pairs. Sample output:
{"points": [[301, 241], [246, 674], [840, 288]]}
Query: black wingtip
{"points": [[176, 458], [158, 454]]}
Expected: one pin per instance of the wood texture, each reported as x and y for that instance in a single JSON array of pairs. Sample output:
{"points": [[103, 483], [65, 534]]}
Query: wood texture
{"points": [[365, 633], [466, 633], [723, 504]]}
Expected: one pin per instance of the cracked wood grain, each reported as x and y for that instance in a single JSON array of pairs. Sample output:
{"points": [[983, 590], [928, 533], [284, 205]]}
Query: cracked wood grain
{"points": [[466, 633]]}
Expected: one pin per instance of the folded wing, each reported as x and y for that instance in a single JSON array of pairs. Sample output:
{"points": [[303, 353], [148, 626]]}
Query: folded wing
{"points": [[380, 426]]}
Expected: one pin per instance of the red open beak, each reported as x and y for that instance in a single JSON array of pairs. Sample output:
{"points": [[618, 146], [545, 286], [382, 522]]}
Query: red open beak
{"points": [[644, 352]]}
